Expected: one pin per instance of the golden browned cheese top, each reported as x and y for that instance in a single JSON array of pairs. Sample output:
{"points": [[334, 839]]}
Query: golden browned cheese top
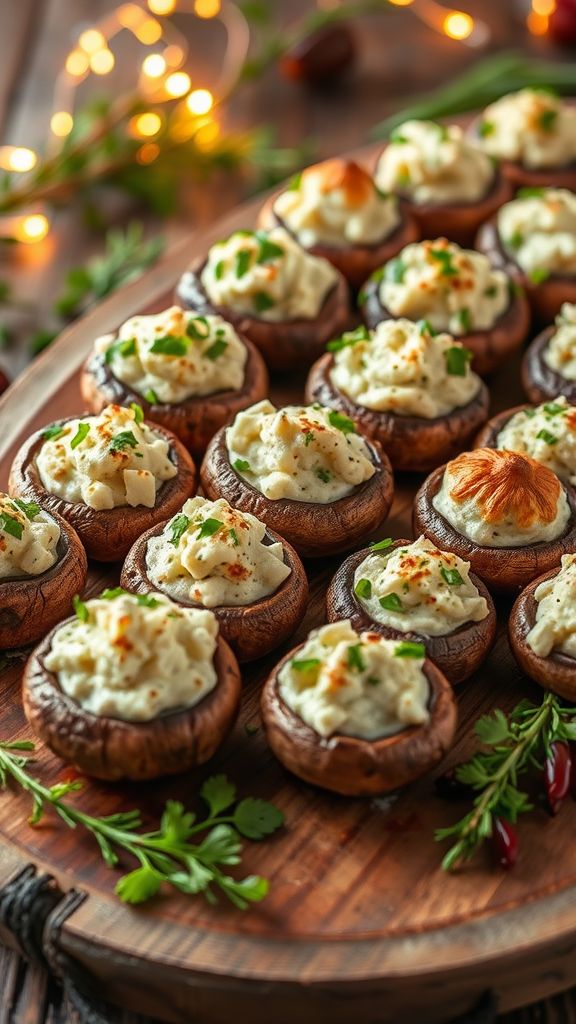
{"points": [[347, 175], [505, 485]]}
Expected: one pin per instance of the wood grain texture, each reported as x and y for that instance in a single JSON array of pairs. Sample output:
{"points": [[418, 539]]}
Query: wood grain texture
{"points": [[360, 921]]}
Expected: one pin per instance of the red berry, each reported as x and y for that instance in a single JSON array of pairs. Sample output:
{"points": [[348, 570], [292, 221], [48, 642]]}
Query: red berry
{"points": [[505, 842], [557, 775]]}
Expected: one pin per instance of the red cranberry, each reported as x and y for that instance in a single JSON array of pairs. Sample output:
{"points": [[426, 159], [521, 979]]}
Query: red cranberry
{"points": [[557, 775], [504, 842]]}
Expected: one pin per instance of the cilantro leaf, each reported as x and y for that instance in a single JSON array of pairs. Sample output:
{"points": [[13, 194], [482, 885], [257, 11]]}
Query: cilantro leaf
{"points": [[11, 526], [262, 301], [215, 350], [381, 545], [169, 346], [219, 793], [451, 576], [80, 435], [242, 466], [363, 589], [30, 508], [52, 432], [178, 527], [354, 657], [209, 527], [341, 422], [391, 603], [457, 360], [80, 608], [139, 885], [305, 664], [409, 649], [138, 412], [255, 818], [124, 348]]}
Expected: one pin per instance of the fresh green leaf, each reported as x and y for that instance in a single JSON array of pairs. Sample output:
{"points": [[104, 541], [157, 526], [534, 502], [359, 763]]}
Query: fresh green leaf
{"points": [[169, 346], [198, 328], [492, 728], [54, 431], [256, 818], [363, 589], [410, 649], [355, 659], [446, 260], [382, 545], [485, 129], [391, 603], [465, 319], [242, 466], [547, 120], [243, 259], [267, 249], [341, 422], [177, 528], [111, 593], [545, 435], [233, 537], [323, 475], [151, 396], [138, 412], [80, 435], [538, 275], [176, 823], [214, 351], [425, 327], [123, 349], [139, 885], [80, 608], [13, 527], [305, 664], [209, 527], [451, 576], [457, 360], [349, 339], [219, 793], [395, 271], [30, 508], [262, 302], [147, 601], [553, 409]]}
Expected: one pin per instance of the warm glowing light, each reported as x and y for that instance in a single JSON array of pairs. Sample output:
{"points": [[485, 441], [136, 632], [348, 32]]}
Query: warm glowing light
{"points": [[544, 7], [154, 65], [458, 25], [177, 84], [147, 124], [102, 62], [17, 158], [150, 31], [207, 136], [130, 15], [33, 228], [207, 8], [537, 23], [91, 41], [61, 123], [147, 153], [200, 101], [161, 6], [173, 55], [77, 63], [401, 3]]}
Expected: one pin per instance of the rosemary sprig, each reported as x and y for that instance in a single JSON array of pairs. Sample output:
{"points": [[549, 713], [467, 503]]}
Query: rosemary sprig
{"points": [[167, 854], [515, 744]]}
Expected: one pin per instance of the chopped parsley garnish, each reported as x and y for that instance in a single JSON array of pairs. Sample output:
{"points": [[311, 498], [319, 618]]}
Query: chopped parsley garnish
{"points": [[355, 659], [545, 435], [457, 359], [348, 339], [267, 250], [125, 439], [446, 260], [397, 136], [323, 475], [409, 649], [11, 525], [395, 271], [547, 120], [381, 545], [169, 346], [243, 258], [178, 527], [193, 329], [425, 327], [262, 302], [529, 193], [111, 593], [490, 292], [341, 422], [81, 433], [51, 433], [305, 664], [530, 413], [123, 348], [234, 537], [80, 608], [363, 589], [219, 269], [516, 240], [30, 508], [294, 183], [451, 576], [373, 680], [138, 412], [391, 603], [215, 350], [465, 319], [515, 289], [380, 192], [485, 128], [308, 438], [242, 466], [147, 601], [538, 275], [553, 409], [209, 527], [151, 396]]}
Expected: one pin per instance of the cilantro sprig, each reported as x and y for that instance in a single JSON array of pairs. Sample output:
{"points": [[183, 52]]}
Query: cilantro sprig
{"points": [[188, 852]]}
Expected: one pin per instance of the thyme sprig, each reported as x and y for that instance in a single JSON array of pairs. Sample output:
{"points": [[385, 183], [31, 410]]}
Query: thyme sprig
{"points": [[515, 744], [166, 855]]}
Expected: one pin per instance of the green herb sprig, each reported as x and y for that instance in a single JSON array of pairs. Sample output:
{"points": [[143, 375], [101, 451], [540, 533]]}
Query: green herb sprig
{"points": [[514, 744], [168, 854]]}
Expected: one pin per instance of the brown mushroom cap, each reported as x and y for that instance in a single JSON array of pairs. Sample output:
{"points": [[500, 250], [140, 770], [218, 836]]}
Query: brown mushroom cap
{"points": [[353, 766], [252, 630], [111, 748], [540, 382], [107, 534], [355, 262], [195, 420], [491, 347], [501, 568], [412, 443], [314, 529], [521, 176], [458, 220], [285, 344], [31, 605], [457, 654], [557, 672], [545, 298]]}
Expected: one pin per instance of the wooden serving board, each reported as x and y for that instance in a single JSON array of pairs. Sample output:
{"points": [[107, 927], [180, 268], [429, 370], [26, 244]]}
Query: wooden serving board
{"points": [[360, 923]]}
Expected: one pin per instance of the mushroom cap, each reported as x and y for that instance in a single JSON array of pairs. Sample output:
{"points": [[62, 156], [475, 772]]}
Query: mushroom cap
{"points": [[346, 175], [505, 485]]}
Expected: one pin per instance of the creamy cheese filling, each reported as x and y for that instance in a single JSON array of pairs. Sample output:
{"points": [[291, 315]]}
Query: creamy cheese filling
{"points": [[305, 453], [212, 554], [175, 355], [135, 657], [419, 589], [555, 625], [539, 230], [434, 163], [28, 538], [267, 274], [502, 499], [455, 289], [105, 461], [356, 684], [560, 352], [532, 127], [337, 203], [404, 368], [547, 433]]}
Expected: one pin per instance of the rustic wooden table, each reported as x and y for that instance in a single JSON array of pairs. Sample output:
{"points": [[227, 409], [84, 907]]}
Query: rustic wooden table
{"points": [[398, 57]]}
